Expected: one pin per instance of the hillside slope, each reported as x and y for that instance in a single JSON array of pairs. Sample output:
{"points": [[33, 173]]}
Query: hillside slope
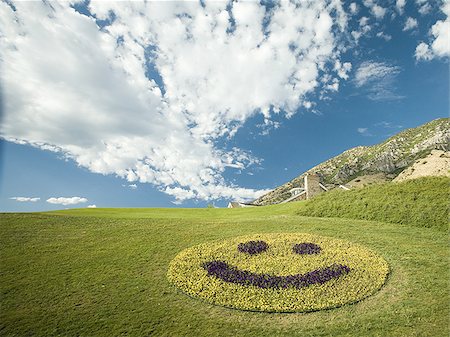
{"points": [[389, 158], [420, 202]]}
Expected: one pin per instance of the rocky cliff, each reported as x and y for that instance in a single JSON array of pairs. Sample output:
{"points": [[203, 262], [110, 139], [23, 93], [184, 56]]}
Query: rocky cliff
{"points": [[388, 158]]}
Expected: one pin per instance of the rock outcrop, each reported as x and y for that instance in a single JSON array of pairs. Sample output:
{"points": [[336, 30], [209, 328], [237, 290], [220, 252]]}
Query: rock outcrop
{"points": [[436, 164]]}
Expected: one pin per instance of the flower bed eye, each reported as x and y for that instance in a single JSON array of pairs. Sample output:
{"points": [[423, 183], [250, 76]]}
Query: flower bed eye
{"points": [[300, 272], [306, 248], [253, 247]]}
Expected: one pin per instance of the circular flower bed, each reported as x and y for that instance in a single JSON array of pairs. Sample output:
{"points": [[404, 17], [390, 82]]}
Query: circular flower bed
{"points": [[279, 272]]}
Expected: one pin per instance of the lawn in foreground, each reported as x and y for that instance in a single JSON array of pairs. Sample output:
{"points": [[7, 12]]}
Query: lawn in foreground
{"points": [[103, 272]]}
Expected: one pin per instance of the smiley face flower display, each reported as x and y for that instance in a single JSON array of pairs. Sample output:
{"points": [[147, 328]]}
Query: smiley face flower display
{"points": [[285, 272]]}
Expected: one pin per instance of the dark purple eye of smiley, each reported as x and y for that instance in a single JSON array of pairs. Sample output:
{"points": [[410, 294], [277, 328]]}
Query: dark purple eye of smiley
{"points": [[306, 248], [253, 247]]}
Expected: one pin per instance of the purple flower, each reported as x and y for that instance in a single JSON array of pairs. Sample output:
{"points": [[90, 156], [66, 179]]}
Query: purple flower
{"points": [[253, 247], [227, 273], [306, 248]]}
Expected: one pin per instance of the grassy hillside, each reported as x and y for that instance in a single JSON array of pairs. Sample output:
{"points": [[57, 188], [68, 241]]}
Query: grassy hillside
{"points": [[95, 272], [421, 202]]}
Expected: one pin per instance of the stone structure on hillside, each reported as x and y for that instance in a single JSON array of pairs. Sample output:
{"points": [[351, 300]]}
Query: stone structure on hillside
{"points": [[312, 185]]}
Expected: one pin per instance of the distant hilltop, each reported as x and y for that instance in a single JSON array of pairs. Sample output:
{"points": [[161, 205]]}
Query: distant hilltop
{"points": [[364, 165]]}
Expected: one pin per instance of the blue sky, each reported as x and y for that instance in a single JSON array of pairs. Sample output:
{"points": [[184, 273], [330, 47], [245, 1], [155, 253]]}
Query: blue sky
{"points": [[118, 104]]}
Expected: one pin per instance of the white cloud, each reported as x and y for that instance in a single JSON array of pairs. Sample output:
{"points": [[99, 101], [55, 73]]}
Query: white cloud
{"points": [[66, 201], [384, 36], [423, 52], [149, 96], [363, 21], [378, 11], [441, 32], [440, 45], [353, 8], [363, 131], [400, 4], [364, 28], [425, 9], [342, 69], [92, 206], [25, 199], [378, 79], [356, 35], [410, 23], [375, 9], [370, 71], [132, 186], [268, 125], [388, 125]]}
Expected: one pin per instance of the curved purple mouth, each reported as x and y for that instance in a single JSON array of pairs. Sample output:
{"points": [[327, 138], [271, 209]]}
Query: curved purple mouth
{"points": [[227, 273]]}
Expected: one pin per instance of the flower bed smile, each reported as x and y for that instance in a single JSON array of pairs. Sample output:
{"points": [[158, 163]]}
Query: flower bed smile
{"points": [[278, 272]]}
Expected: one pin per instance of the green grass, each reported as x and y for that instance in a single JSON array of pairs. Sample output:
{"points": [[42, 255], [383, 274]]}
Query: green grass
{"points": [[102, 272], [421, 202]]}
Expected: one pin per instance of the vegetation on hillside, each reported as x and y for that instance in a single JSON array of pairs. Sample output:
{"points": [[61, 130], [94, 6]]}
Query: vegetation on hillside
{"points": [[421, 202]]}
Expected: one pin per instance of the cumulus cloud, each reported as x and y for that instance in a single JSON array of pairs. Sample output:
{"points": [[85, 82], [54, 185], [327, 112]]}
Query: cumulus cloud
{"points": [[146, 90], [378, 79], [440, 45], [364, 28], [92, 206], [342, 69], [353, 8], [425, 9], [377, 10], [66, 201], [25, 199], [410, 23], [400, 4], [423, 52]]}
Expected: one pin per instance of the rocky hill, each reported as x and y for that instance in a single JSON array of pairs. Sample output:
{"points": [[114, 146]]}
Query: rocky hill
{"points": [[386, 160]]}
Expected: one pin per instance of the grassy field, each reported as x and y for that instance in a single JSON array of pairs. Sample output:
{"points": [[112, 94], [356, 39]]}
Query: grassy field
{"points": [[102, 272]]}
